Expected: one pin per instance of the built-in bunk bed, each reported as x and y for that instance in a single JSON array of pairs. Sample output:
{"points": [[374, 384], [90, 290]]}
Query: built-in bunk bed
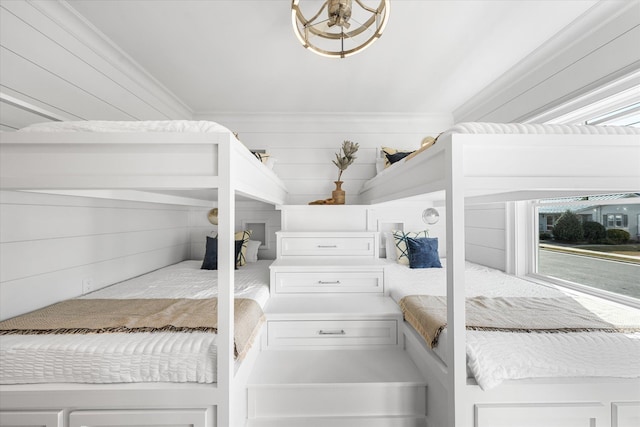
{"points": [[188, 373], [479, 163]]}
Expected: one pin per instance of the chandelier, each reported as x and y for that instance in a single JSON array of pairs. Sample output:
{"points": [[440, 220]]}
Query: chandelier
{"points": [[346, 28]]}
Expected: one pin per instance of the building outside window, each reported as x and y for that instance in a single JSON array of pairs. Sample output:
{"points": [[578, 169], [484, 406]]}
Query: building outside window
{"points": [[605, 257]]}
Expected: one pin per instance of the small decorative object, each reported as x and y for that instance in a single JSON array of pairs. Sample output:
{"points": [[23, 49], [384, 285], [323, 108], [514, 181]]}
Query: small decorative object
{"points": [[430, 216], [213, 216], [344, 158]]}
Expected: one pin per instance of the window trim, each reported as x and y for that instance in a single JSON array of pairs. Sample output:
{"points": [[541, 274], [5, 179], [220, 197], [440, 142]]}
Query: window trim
{"points": [[532, 257]]}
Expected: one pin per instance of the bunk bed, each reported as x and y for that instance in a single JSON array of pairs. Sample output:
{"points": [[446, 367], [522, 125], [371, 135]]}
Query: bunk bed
{"points": [[476, 163], [176, 157]]}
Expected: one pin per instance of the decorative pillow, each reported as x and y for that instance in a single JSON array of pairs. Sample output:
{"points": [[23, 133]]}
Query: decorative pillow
{"points": [[210, 261], [400, 238], [386, 152], [423, 252], [263, 157], [252, 250], [396, 157], [244, 236], [426, 143]]}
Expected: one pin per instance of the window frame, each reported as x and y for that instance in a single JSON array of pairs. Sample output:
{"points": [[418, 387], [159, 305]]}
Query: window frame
{"points": [[533, 242]]}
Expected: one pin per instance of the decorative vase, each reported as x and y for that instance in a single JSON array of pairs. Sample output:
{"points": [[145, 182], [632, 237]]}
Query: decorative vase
{"points": [[338, 194]]}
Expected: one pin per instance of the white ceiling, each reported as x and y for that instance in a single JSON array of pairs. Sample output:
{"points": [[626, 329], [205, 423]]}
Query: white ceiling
{"points": [[241, 56]]}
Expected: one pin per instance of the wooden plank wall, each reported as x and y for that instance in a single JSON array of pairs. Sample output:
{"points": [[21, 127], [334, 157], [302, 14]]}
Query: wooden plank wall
{"points": [[598, 49], [304, 146], [55, 66], [52, 245], [485, 235]]}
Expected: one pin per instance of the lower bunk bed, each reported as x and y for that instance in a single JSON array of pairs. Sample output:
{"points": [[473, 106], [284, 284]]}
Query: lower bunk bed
{"points": [[139, 352], [536, 354]]}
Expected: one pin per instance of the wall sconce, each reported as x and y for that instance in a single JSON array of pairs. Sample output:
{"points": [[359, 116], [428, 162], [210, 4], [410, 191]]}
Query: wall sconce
{"points": [[212, 216], [430, 216]]}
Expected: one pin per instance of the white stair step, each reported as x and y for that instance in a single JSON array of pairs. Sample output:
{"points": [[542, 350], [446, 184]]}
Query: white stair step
{"points": [[348, 400], [336, 383], [340, 422], [296, 367]]}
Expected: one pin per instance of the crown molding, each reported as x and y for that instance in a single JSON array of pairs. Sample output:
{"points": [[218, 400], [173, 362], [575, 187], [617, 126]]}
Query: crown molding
{"points": [[67, 18], [605, 18]]}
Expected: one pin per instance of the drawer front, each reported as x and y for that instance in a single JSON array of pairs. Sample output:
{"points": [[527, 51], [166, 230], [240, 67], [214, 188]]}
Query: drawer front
{"points": [[328, 246], [319, 282], [332, 333]]}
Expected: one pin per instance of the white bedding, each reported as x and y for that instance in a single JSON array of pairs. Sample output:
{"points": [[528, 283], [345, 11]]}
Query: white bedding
{"points": [[127, 126], [493, 357], [139, 357]]}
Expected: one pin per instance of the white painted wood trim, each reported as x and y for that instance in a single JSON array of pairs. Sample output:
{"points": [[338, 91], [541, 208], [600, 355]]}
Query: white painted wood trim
{"points": [[72, 22], [127, 417], [456, 344], [565, 56], [226, 266]]}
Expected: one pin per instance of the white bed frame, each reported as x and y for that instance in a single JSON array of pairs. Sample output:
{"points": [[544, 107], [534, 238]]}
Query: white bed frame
{"points": [[478, 163], [142, 161]]}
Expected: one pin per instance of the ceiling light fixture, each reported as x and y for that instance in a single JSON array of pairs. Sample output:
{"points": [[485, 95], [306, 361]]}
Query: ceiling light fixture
{"points": [[333, 34]]}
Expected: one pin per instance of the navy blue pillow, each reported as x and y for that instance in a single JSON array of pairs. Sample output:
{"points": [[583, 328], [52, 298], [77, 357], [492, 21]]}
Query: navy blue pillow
{"points": [[210, 261], [423, 252], [396, 157]]}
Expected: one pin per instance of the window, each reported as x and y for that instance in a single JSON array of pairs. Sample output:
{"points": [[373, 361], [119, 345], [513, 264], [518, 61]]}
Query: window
{"points": [[615, 220], [589, 256], [604, 256]]}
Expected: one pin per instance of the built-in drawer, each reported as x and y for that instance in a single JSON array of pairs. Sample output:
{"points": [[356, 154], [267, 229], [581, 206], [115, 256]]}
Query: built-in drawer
{"points": [[327, 246], [332, 333], [320, 282]]}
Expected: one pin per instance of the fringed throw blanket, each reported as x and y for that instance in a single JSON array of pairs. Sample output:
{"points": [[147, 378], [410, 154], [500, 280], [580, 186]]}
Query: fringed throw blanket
{"points": [[428, 315], [96, 316]]}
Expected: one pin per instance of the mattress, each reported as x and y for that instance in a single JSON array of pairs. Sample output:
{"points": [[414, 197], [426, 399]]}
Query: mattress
{"points": [[132, 357], [127, 126], [494, 357]]}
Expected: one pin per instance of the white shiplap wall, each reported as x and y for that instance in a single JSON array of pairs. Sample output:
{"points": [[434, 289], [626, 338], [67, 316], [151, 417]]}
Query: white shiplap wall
{"points": [[56, 66], [305, 145], [485, 235], [601, 47], [51, 244]]}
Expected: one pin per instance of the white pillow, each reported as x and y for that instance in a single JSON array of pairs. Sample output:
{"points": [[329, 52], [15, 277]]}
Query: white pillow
{"points": [[390, 247], [400, 241], [252, 250]]}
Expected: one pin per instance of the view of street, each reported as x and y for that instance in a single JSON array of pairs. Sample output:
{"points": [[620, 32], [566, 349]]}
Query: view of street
{"points": [[614, 276]]}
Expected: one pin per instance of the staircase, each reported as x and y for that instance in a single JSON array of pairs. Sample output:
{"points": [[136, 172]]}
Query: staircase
{"points": [[350, 388]]}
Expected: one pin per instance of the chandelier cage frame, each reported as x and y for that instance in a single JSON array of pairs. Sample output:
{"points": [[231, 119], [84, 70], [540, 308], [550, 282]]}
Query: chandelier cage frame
{"points": [[316, 28]]}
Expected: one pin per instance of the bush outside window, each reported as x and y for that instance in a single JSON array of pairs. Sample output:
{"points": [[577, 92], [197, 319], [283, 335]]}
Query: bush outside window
{"points": [[591, 243]]}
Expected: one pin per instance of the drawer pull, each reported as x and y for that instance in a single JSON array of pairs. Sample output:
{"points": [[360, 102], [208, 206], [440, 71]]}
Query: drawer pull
{"points": [[334, 332], [327, 246], [322, 282]]}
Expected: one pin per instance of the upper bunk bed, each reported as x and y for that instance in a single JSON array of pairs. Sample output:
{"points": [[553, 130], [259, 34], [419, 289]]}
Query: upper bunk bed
{"points": [[502, 162], [190, 160], [147, 155], [475, 163]]}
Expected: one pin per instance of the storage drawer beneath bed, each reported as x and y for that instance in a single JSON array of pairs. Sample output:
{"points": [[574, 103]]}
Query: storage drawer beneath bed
{"points": [[587, 414], [32, 418], [141, 417], [338, 281], [332, 333]]}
